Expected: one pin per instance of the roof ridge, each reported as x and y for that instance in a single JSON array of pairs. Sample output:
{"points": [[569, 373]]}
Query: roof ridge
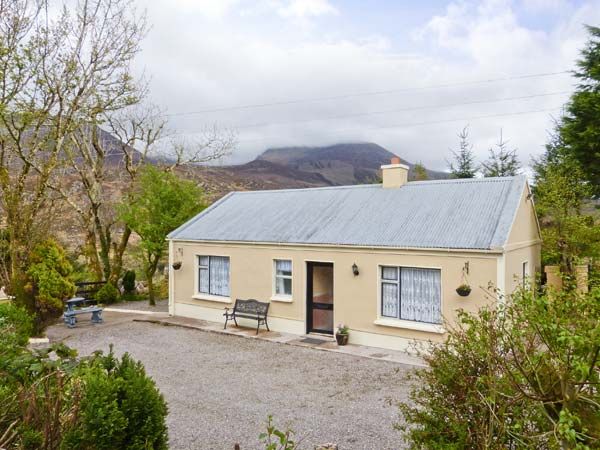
{"points": [[378, 185], [319, 188], [469, 180]]}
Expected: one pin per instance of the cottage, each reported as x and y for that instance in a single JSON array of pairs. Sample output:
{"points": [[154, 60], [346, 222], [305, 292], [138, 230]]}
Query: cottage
{"points": [[383, 259]]}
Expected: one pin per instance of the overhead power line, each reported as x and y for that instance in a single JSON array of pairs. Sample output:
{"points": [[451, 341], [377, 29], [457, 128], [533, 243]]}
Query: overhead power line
{"points": [[436, 122], [365, 94], [396, 110]]}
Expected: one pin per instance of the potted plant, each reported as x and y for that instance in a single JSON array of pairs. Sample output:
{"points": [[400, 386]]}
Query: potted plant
{"points": [[463, 290], [341, 334], [177, 265]]}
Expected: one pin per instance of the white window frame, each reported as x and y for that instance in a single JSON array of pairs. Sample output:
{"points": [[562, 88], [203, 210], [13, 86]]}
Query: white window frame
{"points": [[205, 295], [525, 274], [282, 297], [397, 322]]}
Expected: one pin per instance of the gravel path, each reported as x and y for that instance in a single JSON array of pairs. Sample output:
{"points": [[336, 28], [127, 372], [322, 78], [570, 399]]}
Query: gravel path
{"points": [[142, 305], [221, 388]]}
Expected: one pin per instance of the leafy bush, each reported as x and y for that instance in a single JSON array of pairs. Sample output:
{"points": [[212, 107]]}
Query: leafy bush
{"points": [[107, 294], [52, 400], [523, 375], [16, 325], [129, 282], [47, 282], [120, 408]]}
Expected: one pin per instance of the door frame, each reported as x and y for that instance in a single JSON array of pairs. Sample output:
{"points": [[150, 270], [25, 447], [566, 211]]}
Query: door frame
{"points": [[309, 296]]}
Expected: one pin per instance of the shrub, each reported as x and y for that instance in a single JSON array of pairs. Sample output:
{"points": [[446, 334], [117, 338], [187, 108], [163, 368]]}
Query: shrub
{"points": [[47, 282], [52, 400], [120, 408], [129, 282], [107, 294], [16, 325], [523, 375]]}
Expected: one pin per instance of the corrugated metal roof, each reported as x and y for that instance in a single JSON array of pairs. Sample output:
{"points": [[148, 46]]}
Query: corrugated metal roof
{"points": [[453, 214]]}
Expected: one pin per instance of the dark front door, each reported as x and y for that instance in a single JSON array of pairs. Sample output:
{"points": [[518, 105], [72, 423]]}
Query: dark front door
{"points": [[319, 297]]}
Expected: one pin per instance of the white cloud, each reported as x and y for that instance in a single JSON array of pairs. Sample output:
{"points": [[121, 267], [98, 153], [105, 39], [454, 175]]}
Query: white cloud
{"points": [[263, 58], [307, 8]]}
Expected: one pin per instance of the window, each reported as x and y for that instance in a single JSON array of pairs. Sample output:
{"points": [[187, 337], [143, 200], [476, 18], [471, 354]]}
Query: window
{"points": [[213, 275], [525, 271], [283, 278], [411, 294]]}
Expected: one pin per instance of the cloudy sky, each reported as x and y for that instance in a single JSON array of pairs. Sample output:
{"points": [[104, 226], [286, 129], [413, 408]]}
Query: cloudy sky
{"points": [[406, 75]]}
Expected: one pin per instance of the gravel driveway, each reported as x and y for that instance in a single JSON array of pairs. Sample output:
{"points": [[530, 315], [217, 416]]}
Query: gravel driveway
{"points": [[221, 388]]}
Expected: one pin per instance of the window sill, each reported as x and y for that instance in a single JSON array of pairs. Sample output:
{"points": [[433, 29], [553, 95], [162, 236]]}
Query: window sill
{"points": [[410, 325], [212, 298], [282, 299]]}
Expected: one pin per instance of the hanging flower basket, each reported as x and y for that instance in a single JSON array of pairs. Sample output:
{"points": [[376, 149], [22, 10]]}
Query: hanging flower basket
{"points": [[463, 290], [177, 265]]}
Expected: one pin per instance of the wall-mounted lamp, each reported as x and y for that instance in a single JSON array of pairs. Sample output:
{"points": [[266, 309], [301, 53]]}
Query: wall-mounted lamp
{"points": [[355, 270]]}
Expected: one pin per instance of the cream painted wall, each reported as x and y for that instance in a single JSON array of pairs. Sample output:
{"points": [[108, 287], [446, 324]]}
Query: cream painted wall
{"points": [[524, 245], [356, 298]]}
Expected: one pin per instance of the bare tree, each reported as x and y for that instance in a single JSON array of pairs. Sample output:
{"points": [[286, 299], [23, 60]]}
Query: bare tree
{"points": [[55, 75], [103, 166]]}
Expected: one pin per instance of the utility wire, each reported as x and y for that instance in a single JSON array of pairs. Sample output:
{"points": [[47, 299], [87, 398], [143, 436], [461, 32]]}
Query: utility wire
{"points": [[435, 122], [415, 108], [364, 94]]}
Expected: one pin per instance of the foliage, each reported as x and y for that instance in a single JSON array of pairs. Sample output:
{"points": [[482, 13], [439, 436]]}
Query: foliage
{"points": [[463, 165], [275, 439], [16, 325], [51, 399], [129, 282], [420, 172], [342, 329], [523, 375], [161, 203], [107, 294], [502, 162], [560, 192], [46, 283], [120, 407], [580, 126]]}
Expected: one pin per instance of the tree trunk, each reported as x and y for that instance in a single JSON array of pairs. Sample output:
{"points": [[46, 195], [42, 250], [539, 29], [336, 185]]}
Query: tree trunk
{"points": [[150, 271], [118, 252]]}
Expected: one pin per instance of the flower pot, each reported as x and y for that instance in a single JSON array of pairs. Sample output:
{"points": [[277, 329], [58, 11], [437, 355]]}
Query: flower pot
{"points": [[342, 339], [177, 265], [463, 291]]}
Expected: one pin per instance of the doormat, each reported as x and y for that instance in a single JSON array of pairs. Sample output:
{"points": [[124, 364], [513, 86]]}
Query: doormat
{"points": [[313, 341]]}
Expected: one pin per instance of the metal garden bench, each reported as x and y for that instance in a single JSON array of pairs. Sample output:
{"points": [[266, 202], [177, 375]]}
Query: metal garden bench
{"points": [[248, 309]]}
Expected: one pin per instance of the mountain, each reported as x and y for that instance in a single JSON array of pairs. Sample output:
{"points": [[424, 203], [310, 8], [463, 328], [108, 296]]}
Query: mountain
{"points": [[339, 164], [301, 167]]}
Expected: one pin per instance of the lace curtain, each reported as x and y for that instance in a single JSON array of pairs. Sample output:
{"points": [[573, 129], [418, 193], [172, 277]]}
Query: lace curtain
{"points": [[420, 296], [411, 294], [213, 276], [283, 277]]}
